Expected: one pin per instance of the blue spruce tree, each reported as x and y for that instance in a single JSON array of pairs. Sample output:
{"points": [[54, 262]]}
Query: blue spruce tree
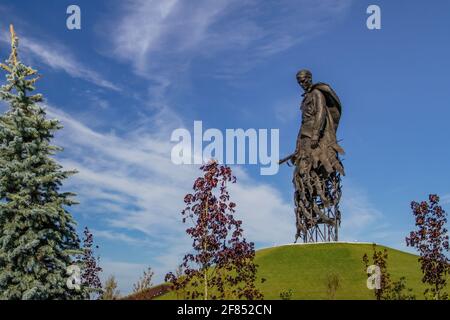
{"points": [[38, 240]]}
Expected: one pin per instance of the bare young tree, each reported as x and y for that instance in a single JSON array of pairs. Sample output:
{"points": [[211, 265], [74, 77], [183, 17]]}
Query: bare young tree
{"points": [[333, 283], [145, 282], [110, 291]]}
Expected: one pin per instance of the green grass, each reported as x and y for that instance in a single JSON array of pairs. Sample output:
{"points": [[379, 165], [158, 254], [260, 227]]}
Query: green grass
{"points": [[304, 269]]}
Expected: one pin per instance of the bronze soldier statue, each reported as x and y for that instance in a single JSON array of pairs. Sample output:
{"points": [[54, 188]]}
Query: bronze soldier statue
{"points": [[318, 168]]}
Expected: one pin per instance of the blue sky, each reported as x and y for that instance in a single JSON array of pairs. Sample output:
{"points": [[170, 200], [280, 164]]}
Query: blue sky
{"points": [[139, 69]]}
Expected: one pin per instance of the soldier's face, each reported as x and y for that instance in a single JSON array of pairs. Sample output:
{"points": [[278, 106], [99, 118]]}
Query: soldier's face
{"points": [[304, 81]]}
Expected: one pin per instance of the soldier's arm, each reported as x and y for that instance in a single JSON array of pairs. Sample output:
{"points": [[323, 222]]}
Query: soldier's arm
{"points": [[320, 114]]}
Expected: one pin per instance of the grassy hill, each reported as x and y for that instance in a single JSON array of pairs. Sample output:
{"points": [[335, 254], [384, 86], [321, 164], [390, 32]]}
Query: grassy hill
{"points": [[304, 269]]}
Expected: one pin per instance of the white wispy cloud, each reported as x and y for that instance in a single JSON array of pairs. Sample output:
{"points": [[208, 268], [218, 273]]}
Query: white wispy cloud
{"points": [[118, 236], [59, 58], [164, 37], [138, 167], [150, 30]]}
